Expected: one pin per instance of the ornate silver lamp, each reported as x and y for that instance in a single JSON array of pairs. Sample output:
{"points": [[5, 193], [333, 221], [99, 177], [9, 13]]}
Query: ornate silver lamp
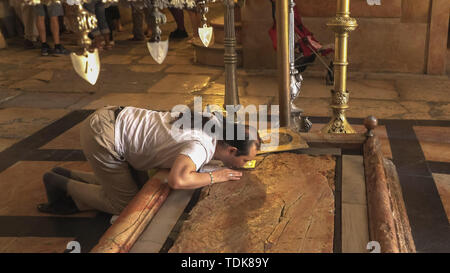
{"points": [[298, 122]]}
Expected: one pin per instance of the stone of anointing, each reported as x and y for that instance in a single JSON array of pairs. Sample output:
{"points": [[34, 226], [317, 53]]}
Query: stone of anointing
{"points": [[286, 204]]}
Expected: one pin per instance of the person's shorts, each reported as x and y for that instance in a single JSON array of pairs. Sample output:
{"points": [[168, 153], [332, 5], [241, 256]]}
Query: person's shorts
{"points": [[54, 9]]}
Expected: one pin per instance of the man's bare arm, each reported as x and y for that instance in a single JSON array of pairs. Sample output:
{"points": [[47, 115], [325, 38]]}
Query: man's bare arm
{"points": [[183, 175]]}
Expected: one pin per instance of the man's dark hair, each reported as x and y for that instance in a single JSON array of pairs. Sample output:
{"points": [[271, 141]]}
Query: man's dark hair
{"points": [[243, 146]]}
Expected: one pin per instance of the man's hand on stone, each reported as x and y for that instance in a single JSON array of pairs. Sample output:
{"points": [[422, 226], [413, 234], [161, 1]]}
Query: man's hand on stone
{"points": [[226, 175]]}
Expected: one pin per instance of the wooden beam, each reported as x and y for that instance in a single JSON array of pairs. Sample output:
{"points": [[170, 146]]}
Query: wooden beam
{"points": [[127, 228], [388, 222]]}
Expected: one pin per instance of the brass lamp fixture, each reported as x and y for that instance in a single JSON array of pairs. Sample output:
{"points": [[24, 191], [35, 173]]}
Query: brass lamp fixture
{"points": [[204, 31], [86, 65], [157, 48], [342, 24]]}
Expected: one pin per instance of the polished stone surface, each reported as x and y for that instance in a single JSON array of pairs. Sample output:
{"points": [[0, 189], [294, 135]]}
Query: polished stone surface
{"points": [[68, 140], [181, 84], [18, 123], [33, 244], [285, 205], [170, 59], [194, 69], [119, 59], [154, 101], [443, 186], [435, 142], [146, 68]]}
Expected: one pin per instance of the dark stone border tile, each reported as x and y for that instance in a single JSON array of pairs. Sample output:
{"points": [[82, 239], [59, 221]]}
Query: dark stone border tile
{"points": [[439, 167], [25, 147], [337, 238], [56, 155]]}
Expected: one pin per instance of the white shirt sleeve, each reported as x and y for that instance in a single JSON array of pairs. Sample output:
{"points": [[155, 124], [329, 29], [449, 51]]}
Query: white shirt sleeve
{"points": [[196, 152]]}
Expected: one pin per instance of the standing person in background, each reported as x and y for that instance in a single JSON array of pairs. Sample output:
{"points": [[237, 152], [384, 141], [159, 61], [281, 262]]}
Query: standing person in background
{"points": [[138, 13], [26, 15], [180, 32], [97, 7], [53, 11], [113, 19]]}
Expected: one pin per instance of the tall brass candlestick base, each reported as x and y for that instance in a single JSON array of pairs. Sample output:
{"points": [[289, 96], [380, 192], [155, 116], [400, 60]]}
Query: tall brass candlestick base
{"points": [[342, 24], [284, 80]]}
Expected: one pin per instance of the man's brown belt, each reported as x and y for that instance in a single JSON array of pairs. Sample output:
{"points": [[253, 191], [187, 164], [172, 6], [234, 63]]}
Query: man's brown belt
{"points": [[117, 111]]}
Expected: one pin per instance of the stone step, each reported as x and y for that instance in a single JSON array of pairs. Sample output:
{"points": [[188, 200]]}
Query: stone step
{"points": [[219, 30], [213, 55]]}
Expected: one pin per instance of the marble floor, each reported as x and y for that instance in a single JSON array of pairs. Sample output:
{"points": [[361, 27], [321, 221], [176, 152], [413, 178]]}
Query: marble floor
{"points": [[42, 101]]}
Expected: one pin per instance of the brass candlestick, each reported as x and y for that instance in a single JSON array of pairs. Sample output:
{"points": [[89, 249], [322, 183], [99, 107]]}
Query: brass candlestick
{"points": [[342, 24], [282, 13]]}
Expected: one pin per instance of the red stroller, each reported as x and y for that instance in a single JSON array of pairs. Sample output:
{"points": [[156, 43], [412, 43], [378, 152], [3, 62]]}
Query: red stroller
{"points": [[307, 48]]}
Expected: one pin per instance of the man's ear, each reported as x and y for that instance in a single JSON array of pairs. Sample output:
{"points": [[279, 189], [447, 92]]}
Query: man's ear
{"points": [[232, 150]]}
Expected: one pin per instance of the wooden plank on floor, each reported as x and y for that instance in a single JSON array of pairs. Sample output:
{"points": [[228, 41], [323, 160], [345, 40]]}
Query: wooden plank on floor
{"points": [[156, 233]]}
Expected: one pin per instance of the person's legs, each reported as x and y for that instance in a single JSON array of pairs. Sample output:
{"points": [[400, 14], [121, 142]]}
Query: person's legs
{"points": [[102, 23], [110, 15], [54, 11], [178, 15], [180, 32], [77, 175], [29, 22], [25, 13], [54, 26], [138, 17], [55, 186], [40, 24], [149, 22], [116, 19], [117, 186], [58, 200]]}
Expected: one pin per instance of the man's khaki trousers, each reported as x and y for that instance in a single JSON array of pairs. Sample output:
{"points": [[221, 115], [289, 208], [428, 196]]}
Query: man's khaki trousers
{"points": [[113, 186]]}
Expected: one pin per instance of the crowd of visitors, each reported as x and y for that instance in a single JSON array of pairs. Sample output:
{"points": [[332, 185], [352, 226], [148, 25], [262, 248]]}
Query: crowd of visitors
{"points": [[40, 20]]}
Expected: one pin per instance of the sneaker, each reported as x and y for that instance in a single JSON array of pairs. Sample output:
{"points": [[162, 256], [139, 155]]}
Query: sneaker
{"points": [[28, 44], [178, 34], [45, 49], [60, 50]]}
